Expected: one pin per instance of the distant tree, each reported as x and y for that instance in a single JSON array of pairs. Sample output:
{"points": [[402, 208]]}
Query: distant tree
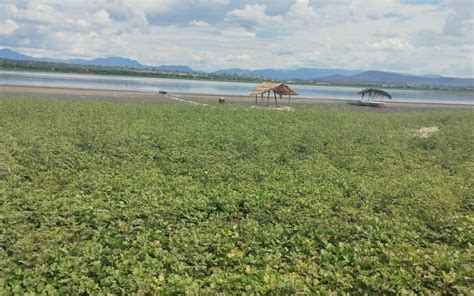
{"points": [[373, 93]]}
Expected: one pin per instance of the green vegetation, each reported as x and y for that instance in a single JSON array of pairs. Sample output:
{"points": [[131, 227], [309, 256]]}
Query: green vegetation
{"points": [[175, 199]]}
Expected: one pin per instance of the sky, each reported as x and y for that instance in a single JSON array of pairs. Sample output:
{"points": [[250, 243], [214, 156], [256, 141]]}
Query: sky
{"points": [[408, 36]]}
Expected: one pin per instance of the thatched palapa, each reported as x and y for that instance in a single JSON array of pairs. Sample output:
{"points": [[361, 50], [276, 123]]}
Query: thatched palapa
{"points": [[373, 93], [277, 88]]}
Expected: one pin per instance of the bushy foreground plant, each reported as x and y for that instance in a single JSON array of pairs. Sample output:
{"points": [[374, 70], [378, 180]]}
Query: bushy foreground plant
{"points": [[135, 198]]}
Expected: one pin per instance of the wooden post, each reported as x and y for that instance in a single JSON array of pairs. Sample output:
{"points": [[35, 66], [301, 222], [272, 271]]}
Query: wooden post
{"points": [[256, 101], [268, 98], [275, 95], [289, 97]]}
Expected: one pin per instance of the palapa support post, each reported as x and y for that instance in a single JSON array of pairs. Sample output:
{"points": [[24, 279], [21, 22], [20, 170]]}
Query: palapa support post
{"points": [[277, 88], [256, 101]]}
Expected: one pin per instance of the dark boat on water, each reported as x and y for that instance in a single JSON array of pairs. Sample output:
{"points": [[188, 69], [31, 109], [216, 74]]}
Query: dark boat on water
{"points": [[376, 104]]}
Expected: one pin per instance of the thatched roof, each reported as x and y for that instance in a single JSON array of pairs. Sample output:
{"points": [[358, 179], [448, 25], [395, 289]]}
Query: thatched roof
{"points": [[279, 88], [372, 92]]}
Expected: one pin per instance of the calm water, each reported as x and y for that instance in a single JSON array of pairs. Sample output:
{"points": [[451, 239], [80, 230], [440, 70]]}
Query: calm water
{"points": [[211, 87]]}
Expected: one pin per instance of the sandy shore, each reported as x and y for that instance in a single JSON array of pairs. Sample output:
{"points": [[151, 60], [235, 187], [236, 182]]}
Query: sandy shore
{"points": [[74, 94]]}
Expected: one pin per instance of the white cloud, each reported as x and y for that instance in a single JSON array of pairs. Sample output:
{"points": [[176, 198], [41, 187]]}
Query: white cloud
{"points": [[302, 11], [237, 32], [199, 23], [8, 27], [253, 14], [39, 13], [7, 11], [461, 19], [202, 56], [391, 44], [102, 17], [211, 34], [82, 23]]}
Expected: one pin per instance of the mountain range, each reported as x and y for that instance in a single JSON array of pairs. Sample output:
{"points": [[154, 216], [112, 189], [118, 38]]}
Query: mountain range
{"points": [[105, 62], [379, 77], [343, 76], [337, 76], [301, 73]]}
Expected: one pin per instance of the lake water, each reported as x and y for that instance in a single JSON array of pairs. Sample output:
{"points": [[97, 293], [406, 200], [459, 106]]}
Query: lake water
{"points": [[213, 87]]}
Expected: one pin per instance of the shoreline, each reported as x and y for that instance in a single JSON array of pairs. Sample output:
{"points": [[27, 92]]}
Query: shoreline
{"points": [[118, 95], [301, 83]]}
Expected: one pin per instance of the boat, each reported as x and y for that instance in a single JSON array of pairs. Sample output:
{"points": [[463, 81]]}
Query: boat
{"points": [[376, 104]]}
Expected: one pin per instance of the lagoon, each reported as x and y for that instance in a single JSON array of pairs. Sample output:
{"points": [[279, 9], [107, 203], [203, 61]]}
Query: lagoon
{"points": [[217, 87]]}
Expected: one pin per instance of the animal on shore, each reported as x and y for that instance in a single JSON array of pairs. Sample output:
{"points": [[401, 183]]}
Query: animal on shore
{"points": [[221, 100], [163, 92]]}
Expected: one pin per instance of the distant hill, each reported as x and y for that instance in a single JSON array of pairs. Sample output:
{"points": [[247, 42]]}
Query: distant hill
{"points": [[379, 77], [174, 68], [297, 74], [234, 71], [342, 76], [6, 53], [105, 62], [337, 76]]}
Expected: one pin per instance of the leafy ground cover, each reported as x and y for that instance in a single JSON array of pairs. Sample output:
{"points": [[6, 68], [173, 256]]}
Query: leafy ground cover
{"points": [[104, 198]]}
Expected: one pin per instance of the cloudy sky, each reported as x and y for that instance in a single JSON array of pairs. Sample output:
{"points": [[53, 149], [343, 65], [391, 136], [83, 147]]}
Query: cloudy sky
{"points": [[412, 36]]}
